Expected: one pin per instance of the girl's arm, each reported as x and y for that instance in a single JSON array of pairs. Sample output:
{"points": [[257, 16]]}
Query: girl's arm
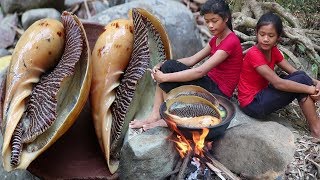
{"points": [[192, 60], [290, 69], [284, 84], [194, 73], [189, 61], [287, 67]]}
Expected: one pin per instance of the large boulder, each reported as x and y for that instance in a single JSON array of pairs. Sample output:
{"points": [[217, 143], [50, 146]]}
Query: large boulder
{"points": [[11, 6], [256, 148], [7, 32], [176, 17], [31, 16], [149, 155]]}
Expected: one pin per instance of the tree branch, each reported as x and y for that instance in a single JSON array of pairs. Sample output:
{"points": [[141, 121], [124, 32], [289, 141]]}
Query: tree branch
{"points": [[275, 7]]}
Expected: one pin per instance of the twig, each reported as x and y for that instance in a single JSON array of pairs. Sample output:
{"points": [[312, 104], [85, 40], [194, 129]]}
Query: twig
{"points": [[184, 165], [18, 30], [75, 8], [87, 9], [216, 170], [220, 166], [314, 163]]}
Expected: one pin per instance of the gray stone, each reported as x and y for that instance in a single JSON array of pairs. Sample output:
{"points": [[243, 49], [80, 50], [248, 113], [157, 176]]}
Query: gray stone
{"points": [[11, 6], [16, 174], [149, 155], [99, 6], [69, 3], [1, 14], [176, 17], [256, 148], [4, 52], [7, 32], [31, 16], [116, 2], [241, 118]]}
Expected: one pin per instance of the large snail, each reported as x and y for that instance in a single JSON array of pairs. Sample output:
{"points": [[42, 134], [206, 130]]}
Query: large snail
{"points": [[121, 81], [47, 85]]}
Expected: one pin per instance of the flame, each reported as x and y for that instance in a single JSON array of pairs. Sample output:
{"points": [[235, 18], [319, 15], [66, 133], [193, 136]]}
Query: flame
{"points": [[183, 145], [198, 140]]}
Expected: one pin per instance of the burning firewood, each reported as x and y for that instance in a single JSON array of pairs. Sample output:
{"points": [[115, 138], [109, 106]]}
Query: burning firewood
{"points": [[197, 152]]}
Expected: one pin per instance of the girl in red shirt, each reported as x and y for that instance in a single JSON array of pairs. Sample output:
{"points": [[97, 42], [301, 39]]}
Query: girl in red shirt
{"points": [[219, 74], [261, 91]]}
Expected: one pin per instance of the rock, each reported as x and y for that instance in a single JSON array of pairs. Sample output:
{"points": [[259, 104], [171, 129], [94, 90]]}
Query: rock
{"points": [[256, 148], [17, 174], [1, 14], [69, 3], [241, 118], [116, 2], [4, 52], [94, 7], [176, 17], [149, 155], [11, 6], [7, 31], [29, 17]]}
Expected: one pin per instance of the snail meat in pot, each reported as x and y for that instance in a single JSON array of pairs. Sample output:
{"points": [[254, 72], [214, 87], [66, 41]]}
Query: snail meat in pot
{"points": [[197, 100], [47, 85], [190, 111]]}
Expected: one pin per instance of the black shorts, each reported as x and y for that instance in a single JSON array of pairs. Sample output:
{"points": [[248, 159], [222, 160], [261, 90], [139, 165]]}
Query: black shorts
{"points": [[270, 99], [171, 66]]}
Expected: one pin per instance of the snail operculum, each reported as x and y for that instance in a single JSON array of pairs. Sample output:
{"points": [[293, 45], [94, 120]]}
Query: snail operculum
{"points": [[47, 86]]}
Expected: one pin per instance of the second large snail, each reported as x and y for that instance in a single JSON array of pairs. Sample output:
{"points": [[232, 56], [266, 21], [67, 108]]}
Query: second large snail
{"points": [[120, 82]]}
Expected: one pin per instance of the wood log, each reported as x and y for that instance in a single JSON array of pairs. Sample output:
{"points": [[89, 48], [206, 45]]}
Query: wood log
{"points": [[220, 166], [184, 165]]}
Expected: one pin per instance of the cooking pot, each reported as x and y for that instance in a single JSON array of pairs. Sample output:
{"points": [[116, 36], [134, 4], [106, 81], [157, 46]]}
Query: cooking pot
{"points": [[215, 131]]}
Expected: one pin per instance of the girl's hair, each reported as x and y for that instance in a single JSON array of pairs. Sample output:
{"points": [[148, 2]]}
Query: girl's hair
{"points": [[270, 18], [219, 7]]}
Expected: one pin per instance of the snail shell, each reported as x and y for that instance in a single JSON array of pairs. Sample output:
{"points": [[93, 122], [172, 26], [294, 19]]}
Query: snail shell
{"points": [[110, 57], [47, 86], [187, 90], [190, 111], [120, 76]]}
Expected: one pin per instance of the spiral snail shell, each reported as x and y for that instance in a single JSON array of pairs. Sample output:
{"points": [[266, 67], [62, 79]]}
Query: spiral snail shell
{"points": [[47, 85], [120, 59]]}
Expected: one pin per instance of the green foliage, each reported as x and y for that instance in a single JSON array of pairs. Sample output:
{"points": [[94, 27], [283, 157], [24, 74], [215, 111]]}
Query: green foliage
{"points": [[314, 70], [302, 48], [308, 11], [310, 6]]}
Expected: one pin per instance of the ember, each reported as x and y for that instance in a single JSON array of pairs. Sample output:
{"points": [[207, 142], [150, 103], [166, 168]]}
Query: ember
{"points": [[197, 163]]}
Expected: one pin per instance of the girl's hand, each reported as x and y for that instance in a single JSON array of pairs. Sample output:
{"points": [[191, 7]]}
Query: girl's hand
{"points": [[316, 95], [157, 67], [317, 85], [158, 76]]}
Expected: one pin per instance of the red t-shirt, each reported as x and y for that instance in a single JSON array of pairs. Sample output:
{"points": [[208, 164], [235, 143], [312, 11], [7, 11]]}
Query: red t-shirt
{"points": [[227, 73], [251, 82]]}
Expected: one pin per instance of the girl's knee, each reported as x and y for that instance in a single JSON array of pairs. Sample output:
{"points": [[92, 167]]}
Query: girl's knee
{"points": [[171, 66], [301, 77]]}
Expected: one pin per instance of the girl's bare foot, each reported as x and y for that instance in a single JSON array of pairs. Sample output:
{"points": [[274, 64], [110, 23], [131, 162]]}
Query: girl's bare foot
{"points": [[315, 135], [158, 123], [140, 123]]}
